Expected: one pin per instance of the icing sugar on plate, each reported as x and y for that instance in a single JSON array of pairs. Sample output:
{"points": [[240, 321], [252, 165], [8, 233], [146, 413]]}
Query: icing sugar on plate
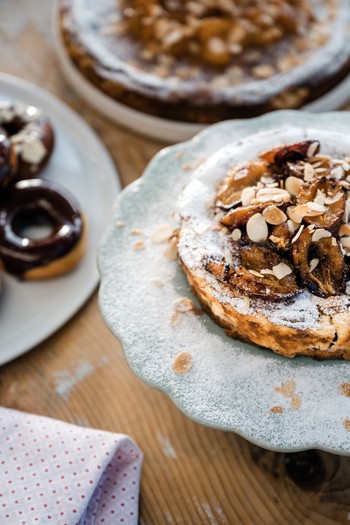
{"points": [[230, 385]]}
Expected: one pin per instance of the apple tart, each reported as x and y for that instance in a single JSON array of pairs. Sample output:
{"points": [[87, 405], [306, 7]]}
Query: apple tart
{"points": [[264, 239], [208, 60]]}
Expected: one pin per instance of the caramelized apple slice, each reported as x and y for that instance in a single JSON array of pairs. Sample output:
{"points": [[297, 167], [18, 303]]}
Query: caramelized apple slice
{"points": [[292, 153], [328, 194], [243, 175], [257, 276], [319, 262]]}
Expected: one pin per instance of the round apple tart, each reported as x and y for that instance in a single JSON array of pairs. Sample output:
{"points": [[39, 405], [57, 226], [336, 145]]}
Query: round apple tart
{"points": [[264, 240]]}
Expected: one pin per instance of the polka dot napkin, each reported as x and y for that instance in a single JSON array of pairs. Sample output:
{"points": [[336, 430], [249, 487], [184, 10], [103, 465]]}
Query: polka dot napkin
{"points": [[53, 472]]}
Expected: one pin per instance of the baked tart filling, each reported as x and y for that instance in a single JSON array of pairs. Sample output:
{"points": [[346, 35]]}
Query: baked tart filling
{"points": [[205, 61], [274, 233]]}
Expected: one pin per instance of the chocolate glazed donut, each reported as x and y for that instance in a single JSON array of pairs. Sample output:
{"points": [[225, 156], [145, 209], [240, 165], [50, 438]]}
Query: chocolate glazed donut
{"points": [[8, 161], [31, 134], [31, 203]]}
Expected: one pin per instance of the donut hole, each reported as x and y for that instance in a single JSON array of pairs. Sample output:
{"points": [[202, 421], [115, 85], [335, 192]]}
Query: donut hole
{"points": [[33, 224]]}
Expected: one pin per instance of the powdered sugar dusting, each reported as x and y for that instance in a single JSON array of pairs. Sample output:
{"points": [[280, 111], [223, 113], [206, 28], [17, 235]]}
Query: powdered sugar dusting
{"points": [[231, 385]]}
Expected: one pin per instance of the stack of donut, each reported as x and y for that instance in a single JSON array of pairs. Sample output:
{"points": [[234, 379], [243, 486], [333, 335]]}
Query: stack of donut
{"points": [[26, 201]]}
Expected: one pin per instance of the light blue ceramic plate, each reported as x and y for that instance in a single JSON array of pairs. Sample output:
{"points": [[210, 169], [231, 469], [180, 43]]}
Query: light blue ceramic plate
{"points": [[231, 385]]}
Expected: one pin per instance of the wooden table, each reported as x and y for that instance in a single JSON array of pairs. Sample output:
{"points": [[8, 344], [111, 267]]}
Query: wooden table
{"points": [[191, 474]]}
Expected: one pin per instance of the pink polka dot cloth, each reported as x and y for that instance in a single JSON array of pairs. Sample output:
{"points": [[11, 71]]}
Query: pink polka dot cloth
{"points": [[54, 472]]}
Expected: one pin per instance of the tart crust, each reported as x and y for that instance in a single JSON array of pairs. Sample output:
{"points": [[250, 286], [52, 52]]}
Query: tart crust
{"points": [[110, 60], [305, 325]]}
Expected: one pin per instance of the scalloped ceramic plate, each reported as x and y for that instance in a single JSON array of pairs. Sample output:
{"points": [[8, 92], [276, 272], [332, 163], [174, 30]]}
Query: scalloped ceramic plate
{"points": [[223, 389]]}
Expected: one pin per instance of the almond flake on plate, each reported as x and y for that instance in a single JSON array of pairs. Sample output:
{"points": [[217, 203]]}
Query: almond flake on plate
{"points": [[257, 228], [161, 233], [139, 245], [236, 234], [170, 251], [157, 282], [136, 231], [309, 172], [182, 363], [295, 402], [293, 185], [120, 224]]}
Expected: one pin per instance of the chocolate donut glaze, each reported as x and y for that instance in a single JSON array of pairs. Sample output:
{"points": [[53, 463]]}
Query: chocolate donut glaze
{"points": [[26, 203], [31, 134], [8, 160]]}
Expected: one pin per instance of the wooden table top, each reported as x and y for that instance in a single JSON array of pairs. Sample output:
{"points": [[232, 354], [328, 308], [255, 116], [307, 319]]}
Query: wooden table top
{"points": [[191, 474]]}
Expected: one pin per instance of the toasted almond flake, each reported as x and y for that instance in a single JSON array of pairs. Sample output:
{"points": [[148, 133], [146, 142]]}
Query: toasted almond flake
{"points": [[337, 172], [236, 234], [271, 191], [179, 154], [295, 402], [275, 239], [161, 233], [336, 198], [313, 264], [175, 318], [187, 167], [297, 213], [276, 410], [267, 271], [281, 270], [344, 184], [314, 206], [344, 230], [280, 197], [170, 251], [292, 225], [296, 237], [274, 215], [320, 171], [319, 234], [247, 196], [320, 197], [257, 228], [183, 304], [287, 389], [334, 241], [182, 363], [157, 282], [256, 274], [120, 224], [346, 216], [224, 230], [139, 245], [136, 231], [345, 389], [293, 184], [345, 242], [346, 424], [246, 304], [312, 149], [309, 171]]}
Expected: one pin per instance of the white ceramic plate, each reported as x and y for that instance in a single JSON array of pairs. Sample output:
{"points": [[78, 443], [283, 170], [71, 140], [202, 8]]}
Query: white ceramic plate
{"points": [[157, 128], [31, 311], [231, 385]]}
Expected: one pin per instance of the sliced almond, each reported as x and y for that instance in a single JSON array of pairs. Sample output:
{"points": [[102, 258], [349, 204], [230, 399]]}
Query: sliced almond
{"points": [[120, 224], [281, 270], [161, 233], [297, 213], [267, 271], [271, 191], [296, 237], [315, 207], [344, 230], [336, 198], [345, 242], [309, 171], [182, 363], [293, 226], [256, 274], [293, 184], [257, 228], [337, 172], [170, 251], [312, 149], [139, 245], [319, 234], [247, 196], [274, 215], [236, 234], [313, 264], [321, 198]]}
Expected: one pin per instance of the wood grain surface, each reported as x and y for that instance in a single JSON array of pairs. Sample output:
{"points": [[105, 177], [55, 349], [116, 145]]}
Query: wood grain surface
{"points": [[191, 474]]}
